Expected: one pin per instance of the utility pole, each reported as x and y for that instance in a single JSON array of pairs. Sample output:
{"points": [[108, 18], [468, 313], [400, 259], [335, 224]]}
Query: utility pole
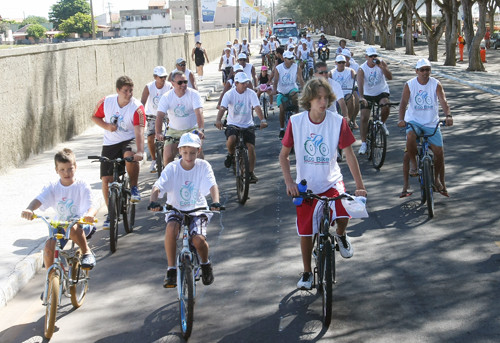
{"points": [[238, 19], [196, 14], [92, 18], [110, 20]]}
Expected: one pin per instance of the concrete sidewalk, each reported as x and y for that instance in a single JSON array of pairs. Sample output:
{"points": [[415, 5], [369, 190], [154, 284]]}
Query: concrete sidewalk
{"points": [[22, 241]]}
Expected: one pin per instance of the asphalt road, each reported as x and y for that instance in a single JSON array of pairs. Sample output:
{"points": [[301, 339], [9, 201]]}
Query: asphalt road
{"points": [[411, 279]]}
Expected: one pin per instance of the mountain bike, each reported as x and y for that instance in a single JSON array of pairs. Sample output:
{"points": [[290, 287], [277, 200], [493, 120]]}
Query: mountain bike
{"points": [[376, 138], [120, 207], [324, 246], [188, 270], [65, 274], [425, 163]]}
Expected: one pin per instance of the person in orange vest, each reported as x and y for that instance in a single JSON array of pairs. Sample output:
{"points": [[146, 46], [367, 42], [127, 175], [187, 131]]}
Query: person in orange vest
{"points": [[461, 44]]}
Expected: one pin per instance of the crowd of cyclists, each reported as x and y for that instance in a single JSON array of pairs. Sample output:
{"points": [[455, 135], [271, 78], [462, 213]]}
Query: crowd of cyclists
{"points": [[171, 106]]}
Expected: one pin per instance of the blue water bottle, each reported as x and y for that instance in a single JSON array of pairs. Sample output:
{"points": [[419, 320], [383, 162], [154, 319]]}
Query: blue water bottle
{"points": [[302, 186]]}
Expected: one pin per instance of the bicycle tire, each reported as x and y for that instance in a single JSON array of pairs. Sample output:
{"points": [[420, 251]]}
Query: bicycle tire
{"points": [[327, 283], [429, 196], [379, 146], [242, 175], [369, 139], [113, 215], [186, 298], [78, 290], [52, 304], [159, 160], [128, 209], [264, 106]]}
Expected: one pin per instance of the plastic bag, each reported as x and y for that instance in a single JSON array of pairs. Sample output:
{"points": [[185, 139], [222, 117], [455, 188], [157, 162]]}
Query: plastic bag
{"points": [[356, 207]]}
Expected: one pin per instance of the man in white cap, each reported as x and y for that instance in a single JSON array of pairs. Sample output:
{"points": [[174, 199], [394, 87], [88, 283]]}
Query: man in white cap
{"points": [[228, 45], [305, 55], [248, 68], [245, 48], [346, 77], [310, 42], [184, 109], [239, 103], [372, 83], [422, 94], [180, 65], [226, 63], [285, 79], [350, 61], [265, 49], [194, 179], [150, 99]]}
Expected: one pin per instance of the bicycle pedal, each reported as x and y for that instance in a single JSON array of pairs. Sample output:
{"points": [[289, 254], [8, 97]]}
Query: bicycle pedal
{"points": [[170, 286]]}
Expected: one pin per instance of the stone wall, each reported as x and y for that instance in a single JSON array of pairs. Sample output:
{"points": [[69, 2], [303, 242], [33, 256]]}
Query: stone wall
{"points": [[48, 92]]}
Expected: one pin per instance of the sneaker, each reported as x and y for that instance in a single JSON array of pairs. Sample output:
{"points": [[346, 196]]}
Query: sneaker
{"points": [[170, 280], [152, 168], [253, 178], [305, 282], [207, 275], [228, 161], [362, 149], [345, 247], [105, 224], [282, 133], [88, 261], [136, 196], [385, 129]]}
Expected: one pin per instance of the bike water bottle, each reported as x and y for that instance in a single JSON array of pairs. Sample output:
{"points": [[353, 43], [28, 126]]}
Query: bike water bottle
{"points": [[302, 186]]}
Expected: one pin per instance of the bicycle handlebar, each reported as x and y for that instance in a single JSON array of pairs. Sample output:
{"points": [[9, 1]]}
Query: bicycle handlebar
{"points": [[442, 123], [169, 208], [106, 159], [310, 195]]}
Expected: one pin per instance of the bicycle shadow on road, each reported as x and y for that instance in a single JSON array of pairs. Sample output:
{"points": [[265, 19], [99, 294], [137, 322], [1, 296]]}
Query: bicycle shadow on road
{"points": [[24, 333], [294, 321]]}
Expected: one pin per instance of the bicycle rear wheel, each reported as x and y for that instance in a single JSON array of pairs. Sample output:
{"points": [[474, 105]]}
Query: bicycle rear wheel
{"points": [[113, 215], [327, 283], [265, 106], [128, 209], [379, 146], [52, 304], [369, 140], [159, 158], [186, 298], [429, 196], [242, 175], [80, 284]]}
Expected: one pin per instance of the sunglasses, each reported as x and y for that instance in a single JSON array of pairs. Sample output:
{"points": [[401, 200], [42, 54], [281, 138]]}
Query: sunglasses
{"points": [[323, 72], [162, 77], [289, 59], [341, 62], [182, 65], [425, 69], [373, 56], [181, 82]]}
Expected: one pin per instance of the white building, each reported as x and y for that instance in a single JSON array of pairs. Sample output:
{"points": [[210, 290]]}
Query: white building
{"points": [[135, 23]]}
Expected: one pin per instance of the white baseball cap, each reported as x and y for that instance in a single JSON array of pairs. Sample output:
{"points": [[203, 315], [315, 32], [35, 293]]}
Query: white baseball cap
{"points": [[180, 60], [242, 56], [190, 139], [291, 46], [340, 58], [303, 40], [308, 36], [346, 52], [229, 43], [423, 62], [288, 54], [244, 38], [160, 71], [237, 67], [241, 78], [370, 51]]}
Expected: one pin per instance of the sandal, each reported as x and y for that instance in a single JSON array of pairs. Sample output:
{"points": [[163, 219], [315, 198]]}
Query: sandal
{"points": [[405, 194], [414, 172], [444, 192]]}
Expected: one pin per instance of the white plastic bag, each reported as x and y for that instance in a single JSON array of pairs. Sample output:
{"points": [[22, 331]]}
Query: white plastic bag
{"points": [[356, 207]]}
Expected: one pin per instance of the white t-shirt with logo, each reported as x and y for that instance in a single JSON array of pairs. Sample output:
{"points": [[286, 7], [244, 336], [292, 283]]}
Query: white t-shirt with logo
{"points": [[375, 82], [303, 54], [155, 96], [186, 189], [344, 78], [287, 78], [68, 201], [339, 94], [423, 105], [180, 111], [239, 107]]}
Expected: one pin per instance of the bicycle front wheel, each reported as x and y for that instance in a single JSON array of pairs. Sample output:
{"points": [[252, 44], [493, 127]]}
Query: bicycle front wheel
{"points": [[113, 214], [159, 159], [52, 304], [327, 283], [242, 176], [128, 209], [186, 298], [80, 281], [369, 139], [429, 196], [265, 106], [379, 146]]}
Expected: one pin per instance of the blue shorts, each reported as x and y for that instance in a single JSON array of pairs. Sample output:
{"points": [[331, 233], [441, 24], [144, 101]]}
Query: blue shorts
{"points": [[436, 140], [280, 97]]}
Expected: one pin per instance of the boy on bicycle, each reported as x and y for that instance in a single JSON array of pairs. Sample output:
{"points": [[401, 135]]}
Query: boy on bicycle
{"points": [[186, 182], [70, 198], [319, 167]]}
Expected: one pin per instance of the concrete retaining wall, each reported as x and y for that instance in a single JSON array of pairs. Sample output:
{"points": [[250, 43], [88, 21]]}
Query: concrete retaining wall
{"points": [[48, 93]]}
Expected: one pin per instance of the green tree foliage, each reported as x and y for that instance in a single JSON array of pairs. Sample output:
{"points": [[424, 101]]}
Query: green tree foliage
{"points": [[33, 19], [36, 31], [79, 23], [65, 9]]}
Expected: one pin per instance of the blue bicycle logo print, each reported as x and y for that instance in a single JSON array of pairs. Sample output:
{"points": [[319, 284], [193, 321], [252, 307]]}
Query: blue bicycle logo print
{"points": [[315, 143], [423, 98], [187, 190]]}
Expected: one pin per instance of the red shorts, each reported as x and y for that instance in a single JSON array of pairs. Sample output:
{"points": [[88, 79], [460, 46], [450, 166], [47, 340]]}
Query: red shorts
{"points": [[309, 213]]}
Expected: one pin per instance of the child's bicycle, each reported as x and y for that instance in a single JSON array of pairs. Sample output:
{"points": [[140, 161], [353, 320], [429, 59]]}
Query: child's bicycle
{"points": [[188, 271], [425, 164], [65, 274], [120, 206], [264, 99]]}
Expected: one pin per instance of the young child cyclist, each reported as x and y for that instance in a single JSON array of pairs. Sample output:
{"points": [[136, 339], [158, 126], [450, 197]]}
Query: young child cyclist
{"points": [[194, 179], [324, 177], [265, 85], [70, 198]]}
